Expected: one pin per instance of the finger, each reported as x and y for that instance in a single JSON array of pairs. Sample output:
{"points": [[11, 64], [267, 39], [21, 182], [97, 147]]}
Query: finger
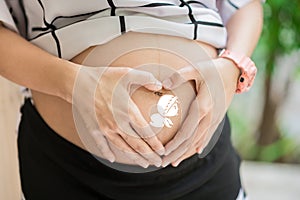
{"points": [[187, 129], [87, 127], [183, 157], [103, 146], [143, 78], [205, 124], [143, 129], [127, 151], [140, 146], [198, 109], [147, 134], [200, 135], [177, 153], [185, 149], [200, 144], [204, 141], [181, 76]]}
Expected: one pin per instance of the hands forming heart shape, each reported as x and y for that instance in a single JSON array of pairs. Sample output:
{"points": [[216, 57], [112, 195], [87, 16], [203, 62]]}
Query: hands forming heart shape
{"points": [[215, 85]]}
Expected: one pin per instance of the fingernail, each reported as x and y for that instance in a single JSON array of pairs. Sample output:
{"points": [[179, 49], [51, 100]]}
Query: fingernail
{"points": [[111, 160], [164, 164], [175, 164], [144, 165], [167, 84], [167, 152], [199, 150], [161, 151], [158, 85], [157, 164]]}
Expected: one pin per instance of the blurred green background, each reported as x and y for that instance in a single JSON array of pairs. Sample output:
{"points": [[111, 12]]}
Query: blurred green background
{"points": [[266, 120]]}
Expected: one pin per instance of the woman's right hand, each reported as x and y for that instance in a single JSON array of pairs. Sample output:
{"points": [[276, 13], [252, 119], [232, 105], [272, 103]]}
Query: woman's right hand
{"points": [[103, 109]]}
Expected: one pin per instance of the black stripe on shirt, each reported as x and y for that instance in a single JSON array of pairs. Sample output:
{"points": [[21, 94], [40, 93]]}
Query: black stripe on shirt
{"points": [[183, 3], [113, 7], [158, 4], [57, 43], [197, 2], [25, 17], [122, 24], [233, 5], [79, 15], [208, 23], [39, 35], [52, 28], [65, 17]]}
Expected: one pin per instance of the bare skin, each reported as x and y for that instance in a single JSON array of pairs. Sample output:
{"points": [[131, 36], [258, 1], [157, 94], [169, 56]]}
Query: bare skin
{"points": [[58, 113], [36, 69]]}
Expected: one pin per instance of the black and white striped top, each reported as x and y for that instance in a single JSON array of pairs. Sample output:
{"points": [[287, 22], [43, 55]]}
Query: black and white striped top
{"points": [[67, 27]]}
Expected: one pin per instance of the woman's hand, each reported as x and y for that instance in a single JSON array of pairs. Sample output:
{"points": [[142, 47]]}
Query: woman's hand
{"points": [[211, 103], [103, 108], [216, 82]]}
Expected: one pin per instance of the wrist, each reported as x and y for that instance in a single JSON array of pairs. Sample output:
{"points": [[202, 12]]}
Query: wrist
{"points": [[68, 80], [245, 65], [229, 74], [229, 67]]}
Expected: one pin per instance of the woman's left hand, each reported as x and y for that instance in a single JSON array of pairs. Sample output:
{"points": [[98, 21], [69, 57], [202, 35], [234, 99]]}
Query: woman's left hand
{"points": [[216, 82]]}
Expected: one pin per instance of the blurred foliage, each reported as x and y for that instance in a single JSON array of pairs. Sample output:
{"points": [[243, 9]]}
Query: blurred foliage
{"points": [[281, 26], [297, 73], [280, 36], [281, 32], [284, 150]]}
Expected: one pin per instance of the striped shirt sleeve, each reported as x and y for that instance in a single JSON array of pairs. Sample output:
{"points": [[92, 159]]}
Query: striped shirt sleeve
{"points": [[6, 18]]}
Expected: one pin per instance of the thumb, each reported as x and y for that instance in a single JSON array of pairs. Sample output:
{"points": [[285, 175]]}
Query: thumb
{"points": [[145, 79], [181, 76], [90, 134]]}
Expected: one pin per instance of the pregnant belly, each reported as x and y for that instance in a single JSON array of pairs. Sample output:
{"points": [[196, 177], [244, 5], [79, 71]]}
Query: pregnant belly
{"points": [[158, 54]]}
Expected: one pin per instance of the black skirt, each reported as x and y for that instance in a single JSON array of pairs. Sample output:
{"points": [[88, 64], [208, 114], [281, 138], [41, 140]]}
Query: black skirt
{"points": [[53, 168]]}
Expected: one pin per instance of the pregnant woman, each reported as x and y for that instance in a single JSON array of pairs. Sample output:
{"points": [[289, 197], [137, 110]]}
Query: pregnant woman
{"points": [[126, 94]]}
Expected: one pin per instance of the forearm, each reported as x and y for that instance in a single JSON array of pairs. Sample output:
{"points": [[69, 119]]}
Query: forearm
{"points": [[30, 66], [244, 28]]}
